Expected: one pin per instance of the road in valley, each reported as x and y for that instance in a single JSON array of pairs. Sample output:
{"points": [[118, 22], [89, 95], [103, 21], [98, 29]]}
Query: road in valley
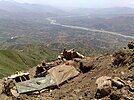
{"points": [[54, 22]]}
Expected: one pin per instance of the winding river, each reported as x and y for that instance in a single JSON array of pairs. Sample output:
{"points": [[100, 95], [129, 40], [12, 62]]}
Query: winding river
{"points": [[54, 22]]}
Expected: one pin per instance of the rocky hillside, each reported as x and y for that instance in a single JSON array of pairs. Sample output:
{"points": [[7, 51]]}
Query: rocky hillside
{"points": [[109, 77]]}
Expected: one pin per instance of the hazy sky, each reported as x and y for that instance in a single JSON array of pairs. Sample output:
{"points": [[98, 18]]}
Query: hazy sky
{"points": [[83, 3]]}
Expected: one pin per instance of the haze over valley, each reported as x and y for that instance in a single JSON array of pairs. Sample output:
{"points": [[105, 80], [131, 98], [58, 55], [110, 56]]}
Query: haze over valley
{"points": [[24, 26], [66, 50]]}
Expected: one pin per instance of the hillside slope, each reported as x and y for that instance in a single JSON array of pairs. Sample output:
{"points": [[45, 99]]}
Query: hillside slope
{"points": [[17, 58], [119, 64]]}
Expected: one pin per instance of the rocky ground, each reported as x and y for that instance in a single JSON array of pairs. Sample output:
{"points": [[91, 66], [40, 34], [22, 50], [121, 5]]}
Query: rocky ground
{"points": [[115, 73]]}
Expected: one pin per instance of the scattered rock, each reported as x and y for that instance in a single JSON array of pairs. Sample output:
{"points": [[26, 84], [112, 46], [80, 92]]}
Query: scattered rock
{"points": [[116, 82], [86, 66], [120, 57], [131, 45], [131, 66], [103, 86], [14, 93], [115, 96], [77, 90], [7, 86], [83, 87], [103, 81], [127, 98], [131, 87], [124, 90], [125, 56]]}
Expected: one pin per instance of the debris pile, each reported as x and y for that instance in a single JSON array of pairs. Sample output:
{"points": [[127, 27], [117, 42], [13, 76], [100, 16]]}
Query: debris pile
{"points": [[116, 88], [46, 75], [113, 75], [125, 56], [70, 54], [9, 87], [113, 88]]}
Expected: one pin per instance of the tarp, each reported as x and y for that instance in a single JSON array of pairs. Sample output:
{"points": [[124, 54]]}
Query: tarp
{"points": [[35, 84], [62, 73], [56, 76]]}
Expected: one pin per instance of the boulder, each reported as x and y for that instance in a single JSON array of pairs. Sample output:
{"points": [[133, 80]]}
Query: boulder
{"points": [[103, 87], [14, 93], [87, 65]]}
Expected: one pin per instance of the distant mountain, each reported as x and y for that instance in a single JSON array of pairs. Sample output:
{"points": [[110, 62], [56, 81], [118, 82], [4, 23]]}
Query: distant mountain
{"points": [[23, 19], [22, 24], [15, 7], [11, 6], [83, 11], [116, 10], [105, 11]]}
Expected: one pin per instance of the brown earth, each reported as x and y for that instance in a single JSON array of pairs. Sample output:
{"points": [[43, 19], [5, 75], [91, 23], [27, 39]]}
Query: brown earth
{"points": [[83, 87]]}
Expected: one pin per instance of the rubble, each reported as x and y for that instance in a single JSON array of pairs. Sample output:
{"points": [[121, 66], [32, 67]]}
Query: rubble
{"points": [[20, 76], [8, 84], [14, 93], [115, 96], [113, 75], [54, 76], [104, 85], [9, 87], [124, 56], [46, 75], [70, 54], [131, 86]]}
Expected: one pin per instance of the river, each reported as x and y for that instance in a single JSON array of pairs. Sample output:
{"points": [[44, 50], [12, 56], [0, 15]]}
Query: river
{"points": [[54, 22]]}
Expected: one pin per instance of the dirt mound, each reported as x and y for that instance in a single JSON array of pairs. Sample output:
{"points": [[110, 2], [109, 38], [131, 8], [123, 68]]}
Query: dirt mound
{"points": [[124, 57], [124, 60]]}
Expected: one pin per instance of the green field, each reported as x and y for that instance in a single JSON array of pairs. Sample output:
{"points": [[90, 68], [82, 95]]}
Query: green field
{"points": [[18, 58]]}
